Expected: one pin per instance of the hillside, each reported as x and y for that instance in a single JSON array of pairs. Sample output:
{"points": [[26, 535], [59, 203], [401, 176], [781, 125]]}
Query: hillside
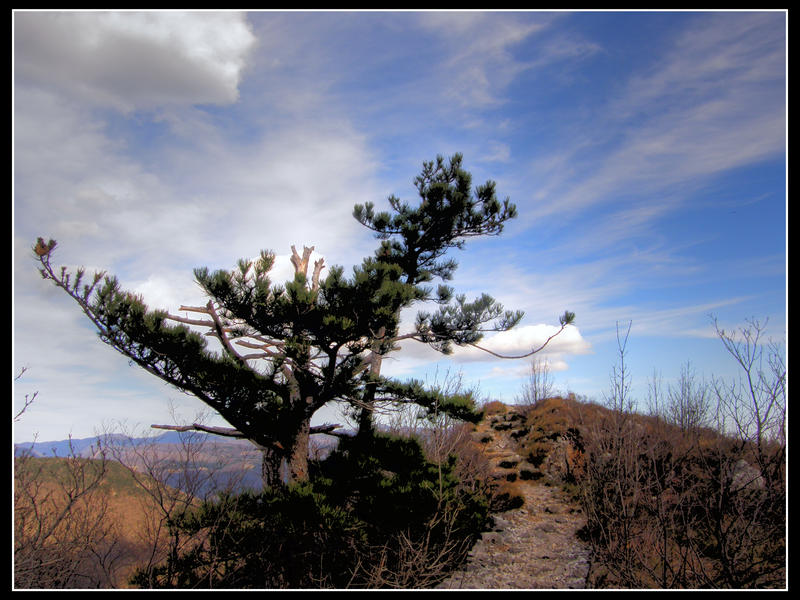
{"points": [[215, 462], [655, 504], [106, 533], [582, 497]]}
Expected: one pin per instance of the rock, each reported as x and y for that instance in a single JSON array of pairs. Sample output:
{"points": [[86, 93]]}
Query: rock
{"points": [[746, 476]]}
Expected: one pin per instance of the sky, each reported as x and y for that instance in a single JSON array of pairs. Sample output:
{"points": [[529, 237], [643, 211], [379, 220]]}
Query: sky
{"points": [[645, 152]]}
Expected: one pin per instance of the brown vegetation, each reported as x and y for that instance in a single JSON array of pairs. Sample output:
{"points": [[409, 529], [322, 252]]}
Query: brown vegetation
{"points": [[692, 495], [76, 523], [671, 508]]}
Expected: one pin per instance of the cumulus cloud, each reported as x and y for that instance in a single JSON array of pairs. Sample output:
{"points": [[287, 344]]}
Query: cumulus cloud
{"points": [[521, 340], [134, 60]]}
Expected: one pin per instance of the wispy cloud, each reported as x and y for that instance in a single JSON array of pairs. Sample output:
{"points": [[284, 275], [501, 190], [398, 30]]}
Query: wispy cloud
{"points": [[475, 73], [707, 106]]}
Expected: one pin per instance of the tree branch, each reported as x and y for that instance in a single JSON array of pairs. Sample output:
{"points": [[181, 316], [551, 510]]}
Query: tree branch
{"points": [[187, 321], [301, 264], [318, 266], [220, 333], [235, 433], [223, 431], [531, 353]]}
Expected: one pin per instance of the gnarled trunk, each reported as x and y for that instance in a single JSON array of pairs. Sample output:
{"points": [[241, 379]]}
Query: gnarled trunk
{"points": [[366, 428], [271, 471], [298, 459], [282, 466]]}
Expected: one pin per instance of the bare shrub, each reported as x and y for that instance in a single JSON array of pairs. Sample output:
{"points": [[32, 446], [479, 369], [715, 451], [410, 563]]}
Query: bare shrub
{"points": [[416, 560], [689, 403], [62, 535], [174, 479], [539, 384], [673, 503]]}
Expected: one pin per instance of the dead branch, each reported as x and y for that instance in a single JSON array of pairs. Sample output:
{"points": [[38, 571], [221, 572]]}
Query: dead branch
{"points": [[235, 433], [526, 355], [301, 264], [223, 431]]}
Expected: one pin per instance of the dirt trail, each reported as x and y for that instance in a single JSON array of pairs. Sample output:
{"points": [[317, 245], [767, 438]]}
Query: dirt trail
{"points": [[531, 547]]}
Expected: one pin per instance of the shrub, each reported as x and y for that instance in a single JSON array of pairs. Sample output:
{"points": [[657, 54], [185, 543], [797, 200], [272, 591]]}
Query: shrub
{"points": [[274, 539], [494, 407], [376, 513], [507, 496]]}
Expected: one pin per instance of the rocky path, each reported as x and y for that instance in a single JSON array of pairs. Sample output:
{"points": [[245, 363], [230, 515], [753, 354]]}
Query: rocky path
{"points": [[531, 547]]}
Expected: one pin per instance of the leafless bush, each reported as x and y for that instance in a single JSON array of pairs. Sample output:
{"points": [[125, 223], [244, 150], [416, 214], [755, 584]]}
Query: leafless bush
{"points": [[753, 407], [408, 561], [174, 480], [539, 384], [62, 535], [62, 538], [673, 503], [689, 404]]}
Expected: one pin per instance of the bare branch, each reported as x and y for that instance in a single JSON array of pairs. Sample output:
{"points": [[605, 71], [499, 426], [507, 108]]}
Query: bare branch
{"points": [[187, 321], [223, 431], [327, 428], [222, 336], [318, 266], [200, 309], [526, 355]]}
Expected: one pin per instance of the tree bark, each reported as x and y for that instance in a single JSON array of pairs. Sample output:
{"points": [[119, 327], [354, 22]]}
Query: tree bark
{"points": [[282, 466], [271, 463], [298, 459], [366, 426]]}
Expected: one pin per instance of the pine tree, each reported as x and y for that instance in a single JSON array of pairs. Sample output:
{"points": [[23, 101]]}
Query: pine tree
{"points": [[417, 239], [287, 350]]}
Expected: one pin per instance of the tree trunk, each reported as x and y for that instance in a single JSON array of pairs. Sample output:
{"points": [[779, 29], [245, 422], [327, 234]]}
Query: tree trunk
{"points": [[365, 420], [283, 466], [271, 463], [298, 459]]}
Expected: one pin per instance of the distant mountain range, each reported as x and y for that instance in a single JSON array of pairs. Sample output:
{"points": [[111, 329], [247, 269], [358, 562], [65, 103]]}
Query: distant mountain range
{"points": [[219, 461], [83, 446]]}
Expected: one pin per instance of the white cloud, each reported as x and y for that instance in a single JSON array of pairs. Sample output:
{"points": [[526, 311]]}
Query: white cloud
{"points": [[134, 60], [522, 340], [414, 356], [523, 370]]}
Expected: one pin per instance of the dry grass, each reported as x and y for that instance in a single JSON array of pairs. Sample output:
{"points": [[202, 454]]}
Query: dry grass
{"points": [[494, 407]]}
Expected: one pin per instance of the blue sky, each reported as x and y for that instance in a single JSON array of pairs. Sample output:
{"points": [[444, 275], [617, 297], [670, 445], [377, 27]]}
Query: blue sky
{"points": [[645, 151]]}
